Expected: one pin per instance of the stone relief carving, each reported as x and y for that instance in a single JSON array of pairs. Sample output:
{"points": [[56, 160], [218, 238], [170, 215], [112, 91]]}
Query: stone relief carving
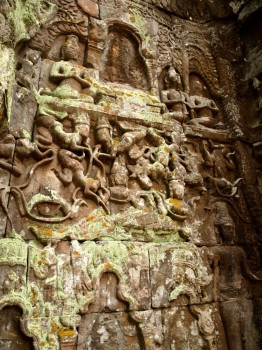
{"points": [[122, 186]]}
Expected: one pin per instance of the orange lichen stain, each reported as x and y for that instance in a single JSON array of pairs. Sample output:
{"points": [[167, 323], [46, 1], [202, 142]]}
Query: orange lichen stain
{"points": [[132, 19], [61, 230], [107, 109], [93, 219], [46, 232], [90, 218], [67, 42], [147, 341], [54, 326], [132, 246], [174, 156], [42, 261], [108, 265], [167, 149], [42, 343], [128, 94], [111, 228], [35, 312], [116, 142], [175, 202], [77, 254], [66, 332]]}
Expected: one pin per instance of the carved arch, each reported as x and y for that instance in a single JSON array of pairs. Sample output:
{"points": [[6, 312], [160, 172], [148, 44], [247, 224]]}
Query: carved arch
{"points": [[119, 273], [25, 306], [122, 60], [202, 64]]}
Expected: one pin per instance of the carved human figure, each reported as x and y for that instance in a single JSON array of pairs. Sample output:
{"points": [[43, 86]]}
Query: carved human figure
{"points": [[208, 148], [25, 68], [141, 171], [232, 289], [222, 186], [119, 180], [224, 224], [128, 139], [257, 85], [176, 203], [202, 110], [26, 148], [190, 160], [71, 77], [104, 134], [49, 129], [176, 186], [73, 171], [70, 50], [173, 96], [160, 155]]}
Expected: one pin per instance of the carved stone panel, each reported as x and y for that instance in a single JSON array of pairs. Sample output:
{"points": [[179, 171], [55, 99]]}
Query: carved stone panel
{"points": [[130, 174]]}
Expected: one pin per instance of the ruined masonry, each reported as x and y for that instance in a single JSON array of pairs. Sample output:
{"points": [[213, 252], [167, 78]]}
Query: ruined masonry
{"points": [[130, 175]]}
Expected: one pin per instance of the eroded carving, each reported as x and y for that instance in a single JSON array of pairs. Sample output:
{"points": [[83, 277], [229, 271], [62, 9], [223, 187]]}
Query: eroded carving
{"points": [[121, 160]]}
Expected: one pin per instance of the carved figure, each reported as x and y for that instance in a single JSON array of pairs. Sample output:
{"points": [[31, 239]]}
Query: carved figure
{"points": [[223, 187], [232, 265], [257, 85], [173, 96], [73, 170], [128, 139], [202, 109], [141, 171], [224, 224], [119, 179], [49, 129], [230, 268], [104, 134], [207, 148], [25, 68]]}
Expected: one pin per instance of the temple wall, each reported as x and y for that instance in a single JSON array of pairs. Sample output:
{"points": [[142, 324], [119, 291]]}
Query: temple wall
{"points": [[130, 175]]}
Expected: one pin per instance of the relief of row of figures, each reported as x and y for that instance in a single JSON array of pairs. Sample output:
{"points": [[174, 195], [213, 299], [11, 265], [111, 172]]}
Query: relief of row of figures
{"points": [[113, 163], [181, 168]]}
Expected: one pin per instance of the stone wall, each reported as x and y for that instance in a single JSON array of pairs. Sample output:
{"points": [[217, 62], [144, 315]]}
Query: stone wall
{"points": [[130, 175]]}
